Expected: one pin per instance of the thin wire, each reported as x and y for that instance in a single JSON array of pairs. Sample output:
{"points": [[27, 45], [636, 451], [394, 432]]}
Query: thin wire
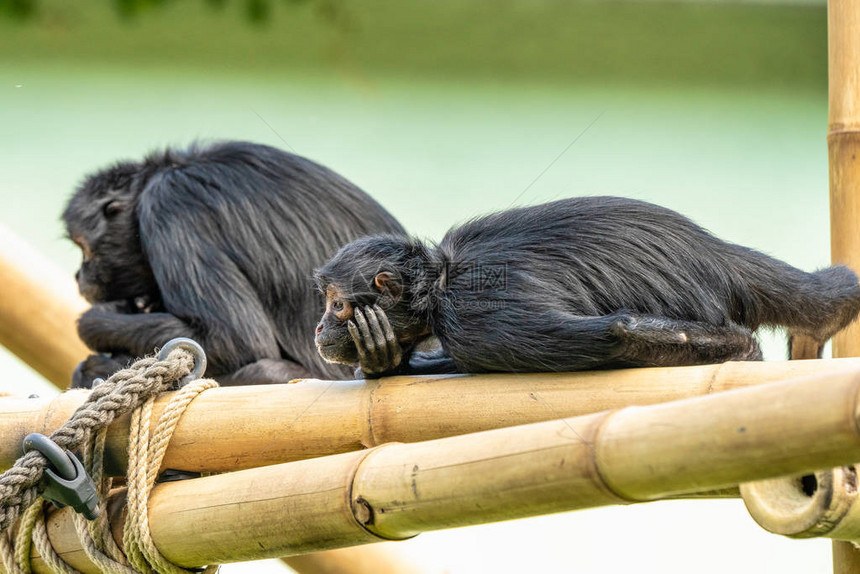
{"points": [[274, 131], [558, 157]]}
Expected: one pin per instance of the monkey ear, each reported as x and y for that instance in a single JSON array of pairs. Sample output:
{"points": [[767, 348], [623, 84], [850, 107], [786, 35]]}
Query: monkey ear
{"points": [[111, 208], [388, 285]]}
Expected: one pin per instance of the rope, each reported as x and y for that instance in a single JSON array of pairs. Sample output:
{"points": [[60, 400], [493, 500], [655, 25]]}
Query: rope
{"points": [[123, 391], [133, 389], [147, 454]]}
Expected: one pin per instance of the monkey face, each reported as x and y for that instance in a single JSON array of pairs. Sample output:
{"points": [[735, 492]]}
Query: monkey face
{"points": [[371, 271], [100, 219], [333, 340]]}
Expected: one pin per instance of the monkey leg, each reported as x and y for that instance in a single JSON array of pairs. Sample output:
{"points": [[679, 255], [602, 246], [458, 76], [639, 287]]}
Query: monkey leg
{"points": [[98, 366], [658, 341], [560, 341], [264, 372]]}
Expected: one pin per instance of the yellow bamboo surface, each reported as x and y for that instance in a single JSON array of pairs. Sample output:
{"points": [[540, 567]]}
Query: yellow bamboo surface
{"points": [[395, 491], [243, 427], [38, 309], [843, 142]]}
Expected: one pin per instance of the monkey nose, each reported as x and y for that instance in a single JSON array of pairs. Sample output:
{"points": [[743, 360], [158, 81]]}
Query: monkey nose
{"points": [[319, 328]]}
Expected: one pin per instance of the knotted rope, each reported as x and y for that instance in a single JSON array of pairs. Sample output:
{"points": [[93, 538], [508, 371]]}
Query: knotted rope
{"points": [[144, 460], [133, 389]]}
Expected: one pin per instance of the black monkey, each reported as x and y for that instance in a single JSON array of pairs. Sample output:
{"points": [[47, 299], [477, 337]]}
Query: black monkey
{"points": [[215, 242], [577, 284]]}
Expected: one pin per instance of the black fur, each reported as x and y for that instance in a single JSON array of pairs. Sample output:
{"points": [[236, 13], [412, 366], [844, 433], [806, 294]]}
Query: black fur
{"points": [[588, 283], [218, 243]]}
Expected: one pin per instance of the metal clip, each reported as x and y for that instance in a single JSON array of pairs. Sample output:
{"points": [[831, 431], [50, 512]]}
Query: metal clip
{"points": [[196, 351], [68, 482]]}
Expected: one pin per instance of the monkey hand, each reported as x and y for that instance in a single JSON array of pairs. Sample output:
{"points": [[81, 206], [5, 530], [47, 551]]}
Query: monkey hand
{"points": [[378, 349]]}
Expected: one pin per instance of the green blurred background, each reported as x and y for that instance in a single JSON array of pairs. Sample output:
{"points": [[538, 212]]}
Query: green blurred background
{"points": [[444, 110]]}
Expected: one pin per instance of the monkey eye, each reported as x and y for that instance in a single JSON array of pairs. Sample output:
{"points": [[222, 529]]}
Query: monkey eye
{"points": [[337, 305], [111, 208]]}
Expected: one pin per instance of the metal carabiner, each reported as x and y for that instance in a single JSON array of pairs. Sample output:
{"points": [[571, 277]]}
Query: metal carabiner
{"points": [[196, 351], [68, 482]]}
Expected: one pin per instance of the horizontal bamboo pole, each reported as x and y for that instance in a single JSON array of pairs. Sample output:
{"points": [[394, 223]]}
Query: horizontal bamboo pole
{"points": [[244, 427], [396, 491], [38, 309]]}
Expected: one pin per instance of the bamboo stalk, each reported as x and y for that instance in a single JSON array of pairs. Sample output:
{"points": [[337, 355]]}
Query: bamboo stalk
{"points": [[38, 310], [846, 559], [396, 491], [243, 427], [843, 141]]}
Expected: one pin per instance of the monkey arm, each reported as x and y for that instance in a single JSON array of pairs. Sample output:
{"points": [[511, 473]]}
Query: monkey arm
{"points": [[105, 328], [265, 371], [129, 336], [106, 331]]}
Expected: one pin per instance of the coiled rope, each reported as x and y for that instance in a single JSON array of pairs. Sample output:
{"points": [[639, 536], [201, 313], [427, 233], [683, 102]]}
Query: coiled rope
{"points": [[130, 390]]}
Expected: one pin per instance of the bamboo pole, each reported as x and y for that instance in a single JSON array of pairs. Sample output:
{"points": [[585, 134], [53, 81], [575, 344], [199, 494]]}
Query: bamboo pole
{"points": [[243, 427], [38, 309], [396, 491], [843, 141]]}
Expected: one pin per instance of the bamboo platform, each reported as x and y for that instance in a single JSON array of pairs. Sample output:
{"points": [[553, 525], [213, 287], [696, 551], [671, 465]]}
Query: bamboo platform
{"points": [[395, 491], [244, 427]]}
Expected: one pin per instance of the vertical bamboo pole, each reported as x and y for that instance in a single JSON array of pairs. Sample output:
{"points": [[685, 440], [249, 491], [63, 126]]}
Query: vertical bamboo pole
{"points": [[843, 141]]}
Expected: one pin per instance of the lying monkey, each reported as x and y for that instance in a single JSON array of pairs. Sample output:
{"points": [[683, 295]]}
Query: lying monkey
{"points": [[577, 284]]}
